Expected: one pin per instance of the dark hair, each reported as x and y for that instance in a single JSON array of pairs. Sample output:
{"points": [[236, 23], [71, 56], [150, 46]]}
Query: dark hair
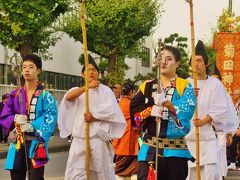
{"points": [[200, 50], [127, 87], [175, 51], [35, 59], [5, 96], [91, 61], [115, 86], [215, 71]]}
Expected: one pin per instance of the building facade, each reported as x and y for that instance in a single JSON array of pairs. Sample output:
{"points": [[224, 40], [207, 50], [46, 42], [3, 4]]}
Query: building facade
{"points": [[64, 71]]}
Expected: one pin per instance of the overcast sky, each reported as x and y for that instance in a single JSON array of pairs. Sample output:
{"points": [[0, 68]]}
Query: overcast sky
{"points": [[176, 17]]}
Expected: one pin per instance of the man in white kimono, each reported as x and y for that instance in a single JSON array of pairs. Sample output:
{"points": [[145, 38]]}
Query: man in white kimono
{"points": [[106, 122], [214, 112], [225, 139]]}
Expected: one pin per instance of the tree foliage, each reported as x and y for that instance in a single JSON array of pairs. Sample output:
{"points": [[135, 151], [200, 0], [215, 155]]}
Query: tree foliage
{"points": [[114, 27], [117, 75], [114, 77], [211, 55], [183, 70], [181, 43], [26, 26], [151, 75]]}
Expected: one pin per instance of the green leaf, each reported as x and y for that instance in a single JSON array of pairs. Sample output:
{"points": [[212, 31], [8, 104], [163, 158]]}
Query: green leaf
{"points": [[28, 25], [114, 26]]}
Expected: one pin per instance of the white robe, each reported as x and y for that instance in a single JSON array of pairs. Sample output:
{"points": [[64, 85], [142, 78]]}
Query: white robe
{"points": [[214, 101], [104, 107], [221, 136]]}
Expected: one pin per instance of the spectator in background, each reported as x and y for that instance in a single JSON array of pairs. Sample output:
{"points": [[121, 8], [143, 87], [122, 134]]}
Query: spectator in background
{"points": [[236, 137], [126, 148], [4, 99], [117, 90], [3, 134]]}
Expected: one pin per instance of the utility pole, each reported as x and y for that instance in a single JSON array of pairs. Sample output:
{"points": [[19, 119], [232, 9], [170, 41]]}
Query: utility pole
{"points": [[230, 5]]}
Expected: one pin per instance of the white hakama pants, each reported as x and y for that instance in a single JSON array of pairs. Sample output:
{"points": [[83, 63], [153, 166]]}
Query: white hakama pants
{"points": [[101, 160], [207, 172]]}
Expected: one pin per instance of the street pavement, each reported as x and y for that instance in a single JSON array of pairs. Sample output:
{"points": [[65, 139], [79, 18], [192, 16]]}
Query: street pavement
{"points": [[58, 149], [55, 169], [233, 175]]}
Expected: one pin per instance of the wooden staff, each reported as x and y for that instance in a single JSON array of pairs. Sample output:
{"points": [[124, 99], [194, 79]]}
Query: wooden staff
{"points": [[195, 87], [87, 124], [159, 90], [16, 67]]}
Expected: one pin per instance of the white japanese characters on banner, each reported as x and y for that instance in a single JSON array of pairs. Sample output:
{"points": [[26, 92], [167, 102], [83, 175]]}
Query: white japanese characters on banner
{"points": [[228, 59]]}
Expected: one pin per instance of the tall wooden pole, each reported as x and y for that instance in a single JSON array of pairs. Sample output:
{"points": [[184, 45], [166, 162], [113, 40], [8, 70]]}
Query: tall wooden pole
{"points": [[195, 86], [159, 90], [87, 143], [16, 65], [230, 5]]}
